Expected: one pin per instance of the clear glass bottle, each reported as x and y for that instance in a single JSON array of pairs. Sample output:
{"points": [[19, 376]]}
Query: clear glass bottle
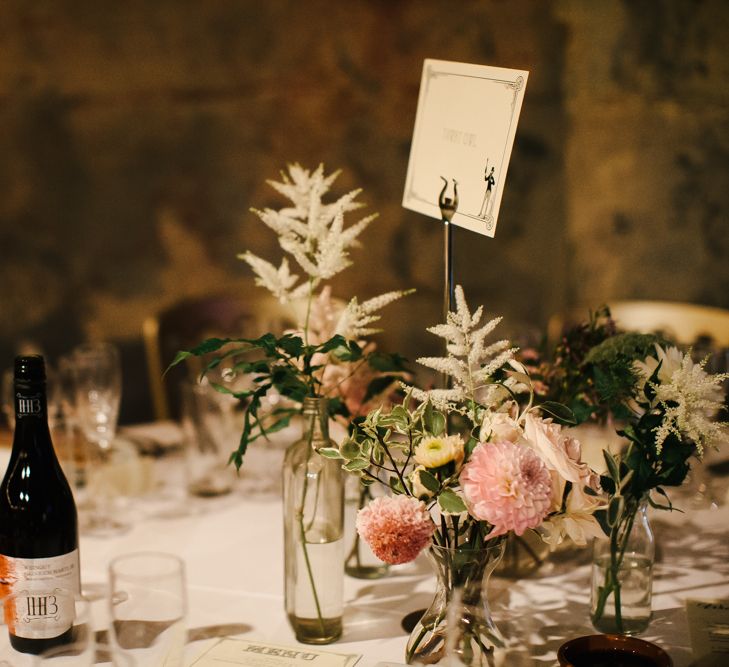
{"points": [[314, 531], [622, 576]]}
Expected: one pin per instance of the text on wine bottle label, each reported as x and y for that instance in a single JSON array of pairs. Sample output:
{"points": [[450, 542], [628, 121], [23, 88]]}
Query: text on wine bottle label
{"points": [[37, 611]]}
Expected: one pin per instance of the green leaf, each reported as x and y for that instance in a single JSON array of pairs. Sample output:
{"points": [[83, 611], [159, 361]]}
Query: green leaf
{"points": [[471, 445], [669, 505], [331, 344], [435, 422], [429, 481], [582, 410], [648, 390], [291, 345], [350, 449], [560, 411], [206, 347], [626, 479], [616, 506], [612, 466], [396, 485], [387, 363], [356, 464], [451, 502], [377, 386], [280, 423], [330, 452]]}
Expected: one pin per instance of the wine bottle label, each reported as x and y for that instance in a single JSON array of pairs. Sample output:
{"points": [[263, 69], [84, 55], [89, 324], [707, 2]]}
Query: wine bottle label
{"points": [[28, 405], [40, 610]]}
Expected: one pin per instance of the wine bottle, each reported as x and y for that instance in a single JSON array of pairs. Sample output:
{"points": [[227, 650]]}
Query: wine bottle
{"points": [[38, 523]]}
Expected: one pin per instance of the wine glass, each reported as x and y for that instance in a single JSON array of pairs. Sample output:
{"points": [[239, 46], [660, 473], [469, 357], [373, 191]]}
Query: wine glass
{"points": [[97, 394], [148, 607]]}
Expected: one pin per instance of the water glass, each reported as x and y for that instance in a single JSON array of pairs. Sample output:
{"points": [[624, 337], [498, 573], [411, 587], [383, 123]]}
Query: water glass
{"points": [[148, 606], [211, 430]]}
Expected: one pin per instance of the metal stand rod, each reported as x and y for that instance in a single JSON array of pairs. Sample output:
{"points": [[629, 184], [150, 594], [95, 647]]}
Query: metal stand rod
{"points": [[447, 269], [448, 207]]}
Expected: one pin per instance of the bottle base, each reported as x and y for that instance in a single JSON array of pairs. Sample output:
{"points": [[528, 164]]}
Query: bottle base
{"points": [[316, 631], [37, 646], [630, 626]]}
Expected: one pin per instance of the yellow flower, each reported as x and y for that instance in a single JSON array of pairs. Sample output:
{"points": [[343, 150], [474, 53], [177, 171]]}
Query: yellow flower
{"points": [[437, 451]]}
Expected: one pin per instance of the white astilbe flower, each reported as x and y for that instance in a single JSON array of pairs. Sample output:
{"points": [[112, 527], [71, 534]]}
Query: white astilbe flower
{"points": [[277, 281], [356, 317], [470, 362], [311, 231], [689, 396]]}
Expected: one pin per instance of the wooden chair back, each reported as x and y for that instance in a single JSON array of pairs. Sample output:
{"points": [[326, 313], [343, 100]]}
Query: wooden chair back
{"points": [[190, 321]]}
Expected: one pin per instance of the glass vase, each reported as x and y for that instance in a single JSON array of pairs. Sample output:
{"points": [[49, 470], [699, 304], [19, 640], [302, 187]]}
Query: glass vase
{"points": [[361, 562], [523, 555], [313, 532], [622, 575], [458, 624]]}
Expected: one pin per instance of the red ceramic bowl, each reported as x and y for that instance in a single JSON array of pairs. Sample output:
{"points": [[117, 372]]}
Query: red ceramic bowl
{"points": [[611, 651]]}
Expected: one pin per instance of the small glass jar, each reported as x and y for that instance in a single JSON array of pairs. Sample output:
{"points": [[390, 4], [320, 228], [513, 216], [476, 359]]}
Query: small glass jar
{"points": [[622, 576]]}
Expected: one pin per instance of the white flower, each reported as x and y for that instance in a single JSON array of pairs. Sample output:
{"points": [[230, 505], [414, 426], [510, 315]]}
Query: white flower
{"points": [[356, 317], [277, 281], [670, 360], [499, 426], [311, 231], [470, 362], [690, 398]]}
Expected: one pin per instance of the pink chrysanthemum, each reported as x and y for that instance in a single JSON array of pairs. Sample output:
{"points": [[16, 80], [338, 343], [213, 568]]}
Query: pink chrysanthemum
{"points": [[507, 485], [396, 528]]}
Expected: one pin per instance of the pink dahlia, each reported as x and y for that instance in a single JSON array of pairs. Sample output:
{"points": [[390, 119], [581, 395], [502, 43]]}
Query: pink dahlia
{"points": [[507, 485], [396, 528]]}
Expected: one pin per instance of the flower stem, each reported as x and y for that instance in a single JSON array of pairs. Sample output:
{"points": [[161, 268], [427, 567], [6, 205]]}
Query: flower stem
{"points": [[619, 536], [302, 530]]}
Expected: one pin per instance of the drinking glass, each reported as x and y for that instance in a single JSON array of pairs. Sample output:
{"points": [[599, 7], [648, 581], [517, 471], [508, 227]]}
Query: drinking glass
{"points": [[211, 433], [97, 393], [148, 606]]}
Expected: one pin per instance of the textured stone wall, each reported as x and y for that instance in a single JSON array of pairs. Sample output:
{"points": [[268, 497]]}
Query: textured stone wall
{"points": [[135, 136], [648, 153]]}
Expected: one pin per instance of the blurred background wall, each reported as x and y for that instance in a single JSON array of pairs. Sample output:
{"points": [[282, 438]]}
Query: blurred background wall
{"points": [[135, 136]]}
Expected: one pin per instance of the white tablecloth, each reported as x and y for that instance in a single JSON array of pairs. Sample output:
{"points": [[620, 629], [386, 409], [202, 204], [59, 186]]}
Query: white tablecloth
{"points": [[233, 551]]}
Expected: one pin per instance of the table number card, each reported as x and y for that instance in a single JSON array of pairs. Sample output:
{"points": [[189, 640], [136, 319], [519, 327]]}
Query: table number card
{"points": [[464, 130], [229, 651], [709, 630]]}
